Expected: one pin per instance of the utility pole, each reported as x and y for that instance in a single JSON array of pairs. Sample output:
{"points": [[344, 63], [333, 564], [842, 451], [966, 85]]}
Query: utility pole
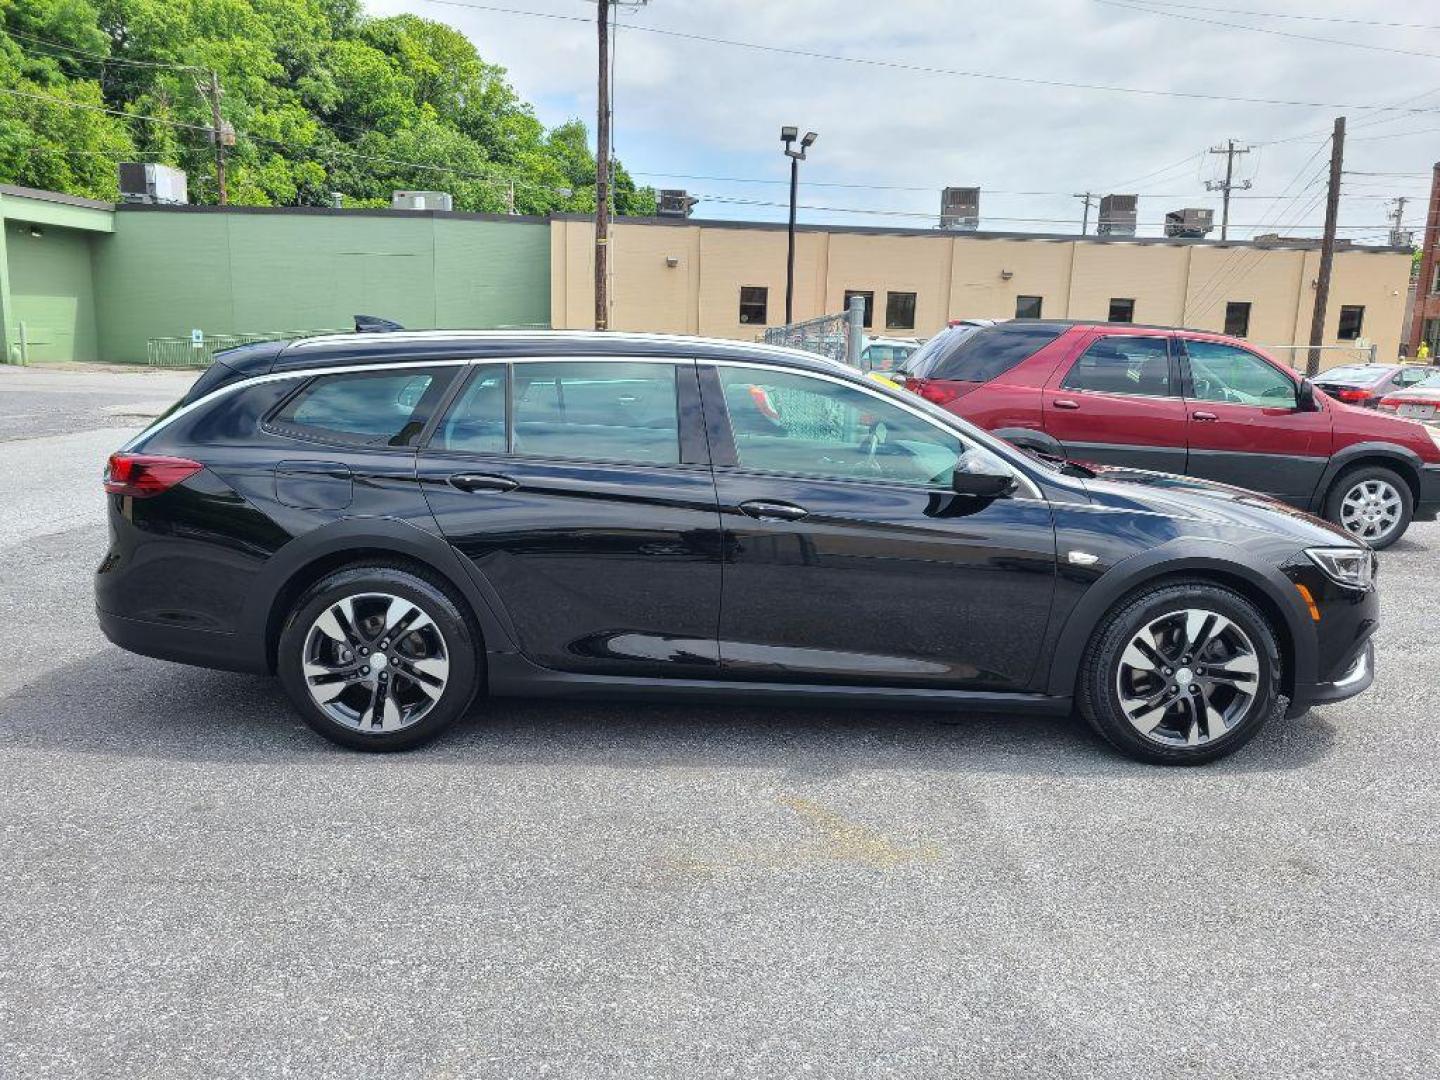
{"points": [[1231, 151], [602, 170], [1327, 248], [1399, 235], [221, 133], [1087, 198]]}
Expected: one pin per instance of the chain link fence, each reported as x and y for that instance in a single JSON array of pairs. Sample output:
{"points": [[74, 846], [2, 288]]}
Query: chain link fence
{"points": [[190, 352], [840, 337], [1296, 356]]}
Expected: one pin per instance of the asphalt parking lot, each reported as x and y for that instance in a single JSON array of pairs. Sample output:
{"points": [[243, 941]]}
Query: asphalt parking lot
{"points": [[194, 885]]}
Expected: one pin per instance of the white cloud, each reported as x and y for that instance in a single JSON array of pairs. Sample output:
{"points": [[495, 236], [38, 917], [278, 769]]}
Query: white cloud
{"points": [[692, 107]]}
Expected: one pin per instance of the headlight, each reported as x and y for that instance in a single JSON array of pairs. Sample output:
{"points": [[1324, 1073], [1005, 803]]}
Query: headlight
{"points": [[1352, 567]]}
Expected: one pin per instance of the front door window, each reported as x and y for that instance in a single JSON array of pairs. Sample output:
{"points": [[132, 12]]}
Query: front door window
{"points": [[1224, 373], [790, 423]]}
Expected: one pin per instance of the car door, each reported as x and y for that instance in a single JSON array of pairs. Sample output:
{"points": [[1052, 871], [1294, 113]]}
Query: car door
{"points": [[848, 556], [580, 493], [1119, 403], [1245, 424]]}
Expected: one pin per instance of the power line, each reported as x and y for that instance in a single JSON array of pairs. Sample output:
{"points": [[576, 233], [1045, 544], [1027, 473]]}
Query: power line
{"points": [[1267, 30], [101, 58], [1293, 15], [924, 69], [314, 151]]}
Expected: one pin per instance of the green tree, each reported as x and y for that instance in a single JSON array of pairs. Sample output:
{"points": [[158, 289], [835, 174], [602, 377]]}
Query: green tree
{"points": [[322, 99]]}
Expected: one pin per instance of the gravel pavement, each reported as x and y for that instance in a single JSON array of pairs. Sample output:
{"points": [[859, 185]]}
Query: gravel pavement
{"points": [[193, 885]]}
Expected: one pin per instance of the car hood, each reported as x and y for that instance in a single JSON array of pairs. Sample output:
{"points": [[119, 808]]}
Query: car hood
{"points": [[1184, 496]]}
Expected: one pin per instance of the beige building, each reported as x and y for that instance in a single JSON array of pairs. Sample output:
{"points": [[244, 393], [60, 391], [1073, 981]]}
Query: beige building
{"points": [[727, 279]]}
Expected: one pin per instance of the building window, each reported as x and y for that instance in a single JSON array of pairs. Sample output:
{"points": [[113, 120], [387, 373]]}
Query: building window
{"points": [[1352, 321], [1435, 278], [1237, 318], [869, 297], [900, 311], [1122, 310], [1028, 307], [753, 301]]}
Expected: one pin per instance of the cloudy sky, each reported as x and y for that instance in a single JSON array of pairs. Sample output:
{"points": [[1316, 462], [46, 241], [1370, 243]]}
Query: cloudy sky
{"points": [[705, 115]]}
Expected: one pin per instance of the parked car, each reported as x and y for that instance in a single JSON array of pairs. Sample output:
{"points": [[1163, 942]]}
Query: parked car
{"points": [[1420, 401], [398, 523], [884, 355], [1185, 402], [1367, 384]]}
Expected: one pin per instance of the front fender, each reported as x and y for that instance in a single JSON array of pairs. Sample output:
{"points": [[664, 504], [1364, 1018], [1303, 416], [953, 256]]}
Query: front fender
{"points": [[1400, 458], [1217, 560]]}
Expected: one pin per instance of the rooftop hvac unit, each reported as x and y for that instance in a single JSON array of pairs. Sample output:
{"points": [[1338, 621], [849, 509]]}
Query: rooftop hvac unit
{"points": [[1193, 222], [1117, 215], [149, 182], [675, 202], [960, 208], [421, 200]]}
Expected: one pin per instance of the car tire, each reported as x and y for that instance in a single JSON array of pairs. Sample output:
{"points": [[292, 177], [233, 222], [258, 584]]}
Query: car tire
{"points": [[394, 694], [1370, 488], [1237, 671]]}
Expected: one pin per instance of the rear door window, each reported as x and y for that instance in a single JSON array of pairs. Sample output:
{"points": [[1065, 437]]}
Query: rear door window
{"points": [[598, 411], [365, 408], [979, 353], [1123, 364]]}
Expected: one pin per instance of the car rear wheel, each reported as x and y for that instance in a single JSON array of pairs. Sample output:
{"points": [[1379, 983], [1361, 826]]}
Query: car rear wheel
{"points": [[1371, 504], [1181, 674], [378, 658]]}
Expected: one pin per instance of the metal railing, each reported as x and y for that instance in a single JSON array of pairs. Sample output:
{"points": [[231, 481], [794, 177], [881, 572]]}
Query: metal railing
{"points": [[189, 352]]}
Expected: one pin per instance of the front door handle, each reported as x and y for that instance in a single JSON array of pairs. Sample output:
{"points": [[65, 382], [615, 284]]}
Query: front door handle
{"points": [[1203, 415], [1065, 403], [483, 482], [761, 510]]}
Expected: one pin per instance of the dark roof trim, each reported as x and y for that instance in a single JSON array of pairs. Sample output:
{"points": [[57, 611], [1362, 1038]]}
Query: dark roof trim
{"points": [[896, 230], [324, 211], [40, 195]]}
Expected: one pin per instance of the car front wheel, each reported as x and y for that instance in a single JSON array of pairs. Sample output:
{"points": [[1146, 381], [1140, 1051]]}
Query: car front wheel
{"points": [[1181, 674], [1372, 504], [378, 658]]}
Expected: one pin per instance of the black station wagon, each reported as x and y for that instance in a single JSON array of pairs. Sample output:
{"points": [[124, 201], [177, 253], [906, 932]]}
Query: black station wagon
{"points": [[400, 523]]}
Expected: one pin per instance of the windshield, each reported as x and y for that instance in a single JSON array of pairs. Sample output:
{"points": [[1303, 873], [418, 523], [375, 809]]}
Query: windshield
{"points": [[1355, 375], [1430, 382]]}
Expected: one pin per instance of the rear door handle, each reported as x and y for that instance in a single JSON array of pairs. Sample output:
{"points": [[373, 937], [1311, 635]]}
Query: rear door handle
{"points": [[1202, 415], [762, 510], [1065, 403], [483, 482]]}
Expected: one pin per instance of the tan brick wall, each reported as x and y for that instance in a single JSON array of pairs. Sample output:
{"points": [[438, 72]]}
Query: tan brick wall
{"points": [[959, 276]]}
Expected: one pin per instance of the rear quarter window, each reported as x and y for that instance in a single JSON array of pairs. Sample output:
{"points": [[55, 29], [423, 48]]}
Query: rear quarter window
{"points": [[370, 408], [979, 354]]}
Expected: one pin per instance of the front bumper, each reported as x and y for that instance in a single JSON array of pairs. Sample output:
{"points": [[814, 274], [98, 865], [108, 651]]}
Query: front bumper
{"points": [[1355, 679], [1427, 507]]}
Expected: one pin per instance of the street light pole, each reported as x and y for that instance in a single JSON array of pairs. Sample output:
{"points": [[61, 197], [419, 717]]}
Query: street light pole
{"points": [[788, 135]]}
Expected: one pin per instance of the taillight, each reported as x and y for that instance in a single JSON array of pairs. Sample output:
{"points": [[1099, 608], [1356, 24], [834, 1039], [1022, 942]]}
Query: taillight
{"points": [[1353, 395], [1388, 404], [938, 391], [144, 475]]}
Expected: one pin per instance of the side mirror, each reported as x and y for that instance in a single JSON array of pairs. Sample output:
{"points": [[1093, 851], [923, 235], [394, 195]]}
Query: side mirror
{"points": [[984, 485], [1305, 397]]}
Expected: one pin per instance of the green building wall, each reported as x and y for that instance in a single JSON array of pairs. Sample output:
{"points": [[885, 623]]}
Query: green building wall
{"points": [[52, 292], [82, 280], [168, 271]]}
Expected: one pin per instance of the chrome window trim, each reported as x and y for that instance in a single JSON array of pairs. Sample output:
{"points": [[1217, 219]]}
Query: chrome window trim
{"points": [[858, 382]]}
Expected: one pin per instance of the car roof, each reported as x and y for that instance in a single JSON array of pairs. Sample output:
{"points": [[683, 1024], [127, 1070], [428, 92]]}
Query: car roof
{"points": [[335, 350]]}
